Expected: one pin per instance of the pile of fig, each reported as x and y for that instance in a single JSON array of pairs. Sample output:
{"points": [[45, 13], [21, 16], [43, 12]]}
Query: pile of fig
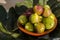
{"points": [[37, 19]]}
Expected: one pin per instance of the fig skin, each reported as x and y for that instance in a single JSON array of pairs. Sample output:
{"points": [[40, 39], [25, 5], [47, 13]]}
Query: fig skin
{"points": [[52, 16], [40, 17], [47, 11], [49, 21], [29, 26], [40, 27], [34, 18], [38, 9], [22, 19]]}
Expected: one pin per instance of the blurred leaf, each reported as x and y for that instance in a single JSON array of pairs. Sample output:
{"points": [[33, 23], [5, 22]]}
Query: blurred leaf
{"points": [[3, 30], [52, 2], [56, 6], [43, 2], [20, 10], [12, 19], [28, 3], [3, 15]]}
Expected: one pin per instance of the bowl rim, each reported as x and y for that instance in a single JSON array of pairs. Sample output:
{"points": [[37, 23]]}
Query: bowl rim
{"points": [[37, 34]]}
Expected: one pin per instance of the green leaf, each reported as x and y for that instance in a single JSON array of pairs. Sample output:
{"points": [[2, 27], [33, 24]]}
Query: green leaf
{"points": [[3, 15], [43, 2], [3, 30], [28, 3]]}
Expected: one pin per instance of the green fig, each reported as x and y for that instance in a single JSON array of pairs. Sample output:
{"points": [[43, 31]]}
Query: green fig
{"points": [[40, 27], [47, 11], [34, 18], [40, 17], [52, 16], [22, 19], [49, 21], [29, 26]]}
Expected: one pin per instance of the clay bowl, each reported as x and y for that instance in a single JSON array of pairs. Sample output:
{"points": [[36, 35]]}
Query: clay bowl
{"points": [[36, 34]]}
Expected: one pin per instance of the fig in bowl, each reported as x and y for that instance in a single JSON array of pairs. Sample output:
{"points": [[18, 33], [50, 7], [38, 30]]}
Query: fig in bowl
{"points": [[38, 9], [22, 19], [34, 18], [37, 24]]}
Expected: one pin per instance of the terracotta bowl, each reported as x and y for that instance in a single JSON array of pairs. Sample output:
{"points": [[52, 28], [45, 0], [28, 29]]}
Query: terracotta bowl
{"points": [[37, 34]]}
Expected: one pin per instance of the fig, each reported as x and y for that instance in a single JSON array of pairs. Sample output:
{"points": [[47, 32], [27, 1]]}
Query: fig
{"points": [[22, 19], [40, 17], [29, 26], [29, 12], [49, 22], [47, 11], [40, 27], [38, 9], [34, 18], [52, 16]]}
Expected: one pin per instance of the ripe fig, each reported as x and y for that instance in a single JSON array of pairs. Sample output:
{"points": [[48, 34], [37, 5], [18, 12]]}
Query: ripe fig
{"points": [[47, 11], [40, 27], [34, 18], [38, 9], [29, 26], [49, 22], [52, 16], [22, 19], [40, 17]]}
